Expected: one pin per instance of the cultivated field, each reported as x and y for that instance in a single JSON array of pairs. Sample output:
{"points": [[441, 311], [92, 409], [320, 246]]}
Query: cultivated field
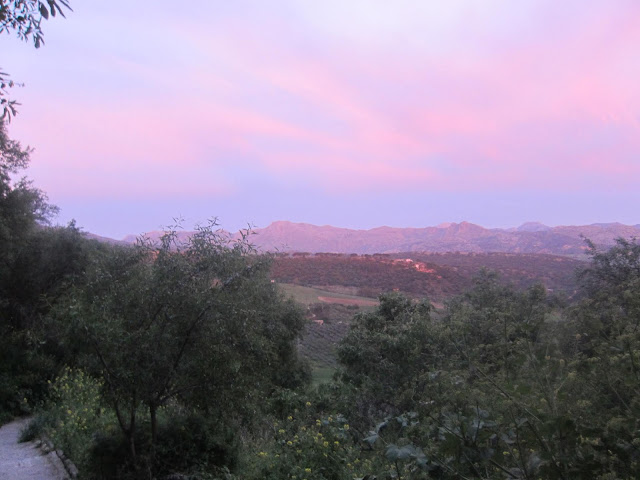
{"points": [[329, 313], [310, 295]]}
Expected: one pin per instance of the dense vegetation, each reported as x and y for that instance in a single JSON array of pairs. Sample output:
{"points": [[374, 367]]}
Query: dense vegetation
{"points": [[141, 360], [438, 276], [555, 272], [505, 385], [371, 274]]}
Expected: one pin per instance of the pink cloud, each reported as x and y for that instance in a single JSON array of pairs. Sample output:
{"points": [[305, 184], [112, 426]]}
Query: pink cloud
{"points": [[498, 99]]}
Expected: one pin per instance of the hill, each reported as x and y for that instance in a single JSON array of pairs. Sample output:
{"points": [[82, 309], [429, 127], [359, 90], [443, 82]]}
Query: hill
{"points": [[438, 276], [333, 287], [531, 237], [453, 237]]}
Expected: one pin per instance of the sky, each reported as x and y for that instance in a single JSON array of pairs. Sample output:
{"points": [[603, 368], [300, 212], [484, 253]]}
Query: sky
{"points": [[357, 113]]}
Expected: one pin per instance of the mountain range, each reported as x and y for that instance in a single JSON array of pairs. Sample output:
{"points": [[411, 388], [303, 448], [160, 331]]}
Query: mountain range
{"points": [[531, 237]]}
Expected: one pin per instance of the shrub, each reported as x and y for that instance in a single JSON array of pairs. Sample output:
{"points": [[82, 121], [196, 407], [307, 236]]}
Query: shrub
{"points": [[305, 445], [74, 413], [187, 444]]}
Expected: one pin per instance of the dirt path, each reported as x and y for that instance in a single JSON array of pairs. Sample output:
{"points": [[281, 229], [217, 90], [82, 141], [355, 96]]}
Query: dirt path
{"points": [[25, 461]]}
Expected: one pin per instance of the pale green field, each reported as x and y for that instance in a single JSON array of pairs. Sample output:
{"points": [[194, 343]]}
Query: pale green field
{"points": [[322, 375], [309, 295]]}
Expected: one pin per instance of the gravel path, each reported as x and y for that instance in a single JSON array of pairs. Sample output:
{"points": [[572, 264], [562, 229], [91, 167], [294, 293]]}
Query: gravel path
{"points": [[25, 461]]}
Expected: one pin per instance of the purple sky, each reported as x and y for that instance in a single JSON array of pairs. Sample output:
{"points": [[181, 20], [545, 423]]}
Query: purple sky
{"points": [[356, 114]]}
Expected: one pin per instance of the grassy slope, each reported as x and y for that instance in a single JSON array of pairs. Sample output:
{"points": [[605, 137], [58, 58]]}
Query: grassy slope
{"points": [[320, 339], [308, 296]]}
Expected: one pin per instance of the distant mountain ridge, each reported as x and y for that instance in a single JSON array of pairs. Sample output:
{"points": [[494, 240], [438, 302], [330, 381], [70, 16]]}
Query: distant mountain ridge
{"points": [[531, 237]]}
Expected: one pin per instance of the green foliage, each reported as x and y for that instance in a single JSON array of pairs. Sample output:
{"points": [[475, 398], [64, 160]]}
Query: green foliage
{"points": [[44, 264], [37, 263], [309, 444], [189, 443], [384, 352], [21, 205], [73, 414], [301, 447], [24, 370], [196, 324], [612, 286], [196, 440], [502, 386], [607, 355]]}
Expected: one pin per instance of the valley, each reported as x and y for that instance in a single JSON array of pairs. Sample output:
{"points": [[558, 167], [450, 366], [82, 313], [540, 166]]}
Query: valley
{"points": [[332, 288]]}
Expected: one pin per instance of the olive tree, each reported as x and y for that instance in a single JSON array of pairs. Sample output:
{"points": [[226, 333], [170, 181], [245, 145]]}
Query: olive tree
{"points": [[194, 322]]}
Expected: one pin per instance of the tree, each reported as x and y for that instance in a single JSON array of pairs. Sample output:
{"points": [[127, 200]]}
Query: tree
{"points": [[22, 207], [24, 17], [37, 264], [195, 323], [607, 340], [452, 383], [385, 354], [38, 275], [608, 317], [506, 385], [612, 282]]}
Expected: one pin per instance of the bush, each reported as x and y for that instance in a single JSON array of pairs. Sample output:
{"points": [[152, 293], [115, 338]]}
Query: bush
{"points": [[24, 371], [195, 441], [318, 449], [74, 413], [188, 444]]}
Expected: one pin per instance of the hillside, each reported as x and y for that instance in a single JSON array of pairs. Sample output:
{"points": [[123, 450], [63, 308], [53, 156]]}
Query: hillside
{"points": [[531, 237], [333, 287], [438, 276], [454, 237]]}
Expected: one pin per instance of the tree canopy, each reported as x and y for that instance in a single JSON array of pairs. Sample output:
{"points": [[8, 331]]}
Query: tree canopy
{"points": [[22, 206], [504, 384], [195, 322], [37, 265]]}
